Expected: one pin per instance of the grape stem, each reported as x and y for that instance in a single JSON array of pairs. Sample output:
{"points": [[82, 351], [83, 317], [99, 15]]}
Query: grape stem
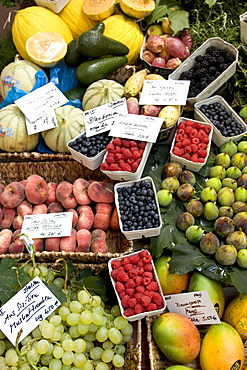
{"points": [[66, 272], [101, 308]]}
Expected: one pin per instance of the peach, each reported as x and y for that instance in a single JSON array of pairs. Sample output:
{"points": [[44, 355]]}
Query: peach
{"points": [[114, 221], [80, 187], [40, 209], [75, 216], [8, 217], [86, 218], [101, 191], [65, 196], [102, 216], [5, 240], [17, 222], [13, 194], [68, 243], [38, 244], [23, 182], [83, 239], [52, 244], [25, 208], [55, 207], [36, 189], [15, 234], [98, 243], [17, 246], [51, 197]]}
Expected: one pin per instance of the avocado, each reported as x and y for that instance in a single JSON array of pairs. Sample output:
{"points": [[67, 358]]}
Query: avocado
{"points": [[93, 44], [75, 93], [100, 27], [73, 58], [96, 69]]}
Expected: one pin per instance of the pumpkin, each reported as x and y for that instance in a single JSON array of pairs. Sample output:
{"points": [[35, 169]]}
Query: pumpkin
{"points": [[98, 10], [46, 48], [77, 21], [70, 122], [138, 8], [20, 73], [14, 137], [127, 31], [33, 19], [101, 92]]}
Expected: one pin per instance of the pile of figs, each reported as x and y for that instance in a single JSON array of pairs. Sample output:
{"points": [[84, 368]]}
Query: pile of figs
{"points": [[221, 203]]}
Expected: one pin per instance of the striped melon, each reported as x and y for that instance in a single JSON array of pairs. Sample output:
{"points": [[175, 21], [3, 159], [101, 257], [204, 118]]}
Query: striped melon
{"points": [[14, 137], [101, 92], [70, 122]]}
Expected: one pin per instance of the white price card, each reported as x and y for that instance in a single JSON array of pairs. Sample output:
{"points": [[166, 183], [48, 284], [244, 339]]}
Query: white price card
{"points": [[137, 127], [197, 306], [164, 92], [38, 102], [100, 119], [47, 225], [24, 311], [43, 123]]}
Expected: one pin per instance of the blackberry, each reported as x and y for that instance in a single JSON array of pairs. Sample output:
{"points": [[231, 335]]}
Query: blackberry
{"points": [[212, 70], [223, 67], [199, 59], [211, 49], [201, 72]]}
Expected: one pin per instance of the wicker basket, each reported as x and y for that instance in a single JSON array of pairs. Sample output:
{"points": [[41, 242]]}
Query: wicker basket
{"points": [[58, 171], [33, 156]]}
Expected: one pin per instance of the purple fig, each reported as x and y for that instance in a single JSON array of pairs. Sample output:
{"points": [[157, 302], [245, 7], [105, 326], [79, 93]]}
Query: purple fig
{"points": [[239, 207], [185, 192], [185, 220], [240, 220], [226, 255], [195, 207], [238, 238], [209, 243], [226, 211], [242, 180], [224, 226], [187, 176], [171, 169]]}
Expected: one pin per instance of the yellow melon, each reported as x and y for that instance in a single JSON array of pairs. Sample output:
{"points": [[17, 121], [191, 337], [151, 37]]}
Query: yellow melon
{"points": [[236, 315], [33, 19], [127, 31], [46, 48], [137, 8], [98, 10], [77, 21]]}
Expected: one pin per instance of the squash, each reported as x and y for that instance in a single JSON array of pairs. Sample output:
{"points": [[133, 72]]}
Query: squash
{"points": [[14, 137], [20, 73], [98, 10], [127, 31], [138, 8], [101, 92], [33, 19], [46, 49], [70, 122], [77, 21]]}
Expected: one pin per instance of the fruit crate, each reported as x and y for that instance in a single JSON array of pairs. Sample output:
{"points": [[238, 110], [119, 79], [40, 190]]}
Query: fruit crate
{"points": [[58, 171]]}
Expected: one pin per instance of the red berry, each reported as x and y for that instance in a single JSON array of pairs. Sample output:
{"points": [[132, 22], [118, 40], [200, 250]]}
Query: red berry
{"points": [[127, 154], [145, 300], [176, 151], [115, 264], [104, 167], [202, 153], [119, 287], [133, 143], [134, 258], [134, 167], [153, 286], [125, 301], [130, 161], [117, 141], [132, 274], [110, 160], [122, 276], [110, 147], [125, 167], [136, 154], [152, 307], [157, 299], [132, 302], [126, 143], [139, 309], [114, 167], [140, 289], [138, 296], [142, 144], [186, 156], [130, 292], [188, 149], [129, 312], [130, 284]]}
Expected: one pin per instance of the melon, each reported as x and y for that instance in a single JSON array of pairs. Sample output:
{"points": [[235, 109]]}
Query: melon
{"points": [[127, 31], [46, 49], [33, 19], [98, 10], [137, 8], [70, 122], [14, 136], [236, 315], [20, 73], [77, 21], [101, 92]]}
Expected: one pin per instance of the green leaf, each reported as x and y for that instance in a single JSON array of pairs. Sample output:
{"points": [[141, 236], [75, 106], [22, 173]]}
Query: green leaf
{"points": [[95, 284], [57, 291], [159, 243], [210, 2], [179, 20], [238, 278], [156, 16], [172, 212]]}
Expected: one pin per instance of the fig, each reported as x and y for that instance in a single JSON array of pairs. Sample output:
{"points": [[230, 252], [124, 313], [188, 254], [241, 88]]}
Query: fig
{"points": [[242, 258], [224, 226], [194, 233], [155, 29], [226, 196], [240, 220], [195, 207], [242, 180], [185, 220], [170, 183], [208, 194], [239, 207], [164, 197], [244, 170], [240, 194], [187, 176], [242, 146], [226, 211], [226, 255], [223, 159], [239, 160], [171, 169], [159, 62], [173, 63], [210, 211], [229, 148], [234, 172], [185, 192], [238, 238], [209, 243], [155, 43], [214, 182], [217, 171], [230, 183], [148, 56]]}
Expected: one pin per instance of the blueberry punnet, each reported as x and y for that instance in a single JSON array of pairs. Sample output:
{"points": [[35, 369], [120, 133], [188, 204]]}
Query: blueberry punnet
{"points": [[91, 146]]}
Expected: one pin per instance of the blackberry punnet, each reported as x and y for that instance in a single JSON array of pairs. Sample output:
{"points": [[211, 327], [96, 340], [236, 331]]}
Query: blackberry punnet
{"points": [[91, 146]]}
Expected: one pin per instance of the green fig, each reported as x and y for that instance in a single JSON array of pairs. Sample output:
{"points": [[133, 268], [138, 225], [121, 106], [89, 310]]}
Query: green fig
{"points": [[226, 196], [229, 148], [170, 183], [208, 194], [214, 182], [217, 171], [194, 233], [234, 172], [239, 160], [226, 255], [230, 183], [226, 211], [242, 258], [222, 159], [210, 211], [240, 194], [238, 238], [242, 146]]}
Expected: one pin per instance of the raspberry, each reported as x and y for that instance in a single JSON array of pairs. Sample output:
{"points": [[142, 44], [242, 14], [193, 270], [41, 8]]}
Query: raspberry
{"points": [[104, 167], [147, 258], [125, 167], [157, 299], [130, 292], [146, 281], [126, 143], [153, 286], [110, 154], [149, 293], [201, 160], [139, 309], [142, 144], [132, 274], [110, 147], [121, 294], [148, 267], [140, 263], [207, 129], [138, 296], [145, 300], [136, 154], [202, 146], [115, 264], [143, 253], [186, 142], [117, 141], [114, 167], [129, 312], [119, 287], [137, 280], [205, 140], [187, 130], [132, 302], [186, 156], [128, 267], [138, 160], [130, 284], [140, 270], [118, 157], [114, 274], [194, 157], [202, 153], [125, 260], [110, 160], [125, 301], [188, 149], [189, 123], [140, 289], [133, 143], [194, 148], [152, 307], [127, 154], [134, 258], [122, 276], [148, 274], [176, 151], [179, 144], [130, 161], [134, 166]]}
